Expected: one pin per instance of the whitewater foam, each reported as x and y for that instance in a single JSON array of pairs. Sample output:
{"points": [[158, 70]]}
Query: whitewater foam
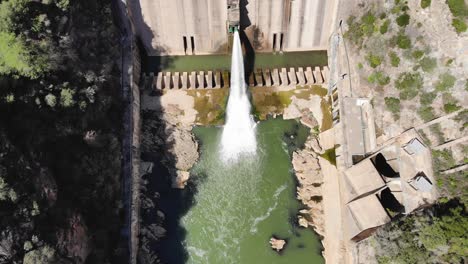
{"points": [[238, 137]]}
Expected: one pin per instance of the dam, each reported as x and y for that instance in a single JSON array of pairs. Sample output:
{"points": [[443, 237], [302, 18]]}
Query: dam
{"points": [[185, 27], [229, 92]]}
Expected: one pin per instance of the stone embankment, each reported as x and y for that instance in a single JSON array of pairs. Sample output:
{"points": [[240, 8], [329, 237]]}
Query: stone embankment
{"points": [[218, 79]]}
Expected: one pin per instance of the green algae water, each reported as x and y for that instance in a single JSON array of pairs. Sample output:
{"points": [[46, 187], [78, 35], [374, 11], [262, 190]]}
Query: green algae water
{"points": [[239, 207]]}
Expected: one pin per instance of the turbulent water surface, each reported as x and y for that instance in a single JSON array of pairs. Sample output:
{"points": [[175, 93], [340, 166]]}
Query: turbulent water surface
{"points": [[238, 138], [238, 207]]}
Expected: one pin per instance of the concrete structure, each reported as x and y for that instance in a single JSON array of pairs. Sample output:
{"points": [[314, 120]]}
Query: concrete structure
{"points": [[261, 77], [185, 27], [388, 181]]}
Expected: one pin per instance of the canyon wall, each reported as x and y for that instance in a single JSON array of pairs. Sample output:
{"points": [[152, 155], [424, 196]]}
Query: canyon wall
{"points": [[184, 27]]}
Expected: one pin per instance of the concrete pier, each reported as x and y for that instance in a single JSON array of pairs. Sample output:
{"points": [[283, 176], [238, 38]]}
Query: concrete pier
{"points": [[167, 81], [284, 77], [159, 81], [318, 75], [184, 80], [217, 79], [267, 77], [201, 80], [309, 76], [176, 80], [209, 80], [259, 77], [300, 76], [275, 77], [193, 80], [292, 77]]}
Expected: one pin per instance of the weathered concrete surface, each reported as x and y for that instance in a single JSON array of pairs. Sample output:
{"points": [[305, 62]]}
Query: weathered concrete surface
{"points": [[162, 25], [289, 25]]}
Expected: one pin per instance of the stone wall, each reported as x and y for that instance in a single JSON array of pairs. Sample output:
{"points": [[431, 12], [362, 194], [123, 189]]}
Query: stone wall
{"points": [[184, 27], [130, 77], [218, 79]]}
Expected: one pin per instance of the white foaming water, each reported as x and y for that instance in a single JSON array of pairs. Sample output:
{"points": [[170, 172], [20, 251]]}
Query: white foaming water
{"points": [[238, 136]]}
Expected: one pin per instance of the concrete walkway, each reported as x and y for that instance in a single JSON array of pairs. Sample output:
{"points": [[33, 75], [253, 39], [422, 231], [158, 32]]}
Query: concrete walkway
{"points": [[333, 241]]}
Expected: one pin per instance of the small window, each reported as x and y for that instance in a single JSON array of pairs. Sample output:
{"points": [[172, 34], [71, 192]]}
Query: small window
{"points": [[192, 40], [185, 45], [274, 41]]}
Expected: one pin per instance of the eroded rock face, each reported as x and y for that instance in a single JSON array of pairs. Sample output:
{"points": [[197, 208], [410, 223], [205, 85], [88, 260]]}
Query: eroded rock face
{"points": [[309, 191], [74, 241], [277, 244], [165, 135]]}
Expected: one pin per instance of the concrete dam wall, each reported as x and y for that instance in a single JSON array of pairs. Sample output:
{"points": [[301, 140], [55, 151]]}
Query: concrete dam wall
{"points": [[185, 27]]}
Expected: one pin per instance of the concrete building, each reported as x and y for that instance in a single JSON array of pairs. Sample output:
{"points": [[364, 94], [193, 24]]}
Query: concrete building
{"points": [[395, 179], [184, 27]]}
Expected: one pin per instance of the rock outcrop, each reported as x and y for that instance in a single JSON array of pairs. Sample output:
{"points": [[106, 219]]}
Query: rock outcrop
{"points": [[309, 191], [277, 244]]}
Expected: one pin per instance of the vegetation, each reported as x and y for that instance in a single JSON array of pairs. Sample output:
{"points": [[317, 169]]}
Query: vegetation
{"points": [[459, 11], [450, 103], [403, 41], [403, 20], [394, 59], [446, 81], [425, 3], [378, 78], [384, 27], [427, 98], [428, 64], [59, 189], [409, 85], [417, 54], [459, 25], [393, 105], [426, 113], [436, 234], [374, 60]]}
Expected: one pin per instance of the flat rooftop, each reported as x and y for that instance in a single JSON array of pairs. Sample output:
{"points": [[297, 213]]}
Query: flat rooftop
{"points": [[223, 61]]}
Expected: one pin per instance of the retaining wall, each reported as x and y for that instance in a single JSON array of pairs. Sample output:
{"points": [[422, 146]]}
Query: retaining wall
{"points": [[130, 78], [221, 79]]}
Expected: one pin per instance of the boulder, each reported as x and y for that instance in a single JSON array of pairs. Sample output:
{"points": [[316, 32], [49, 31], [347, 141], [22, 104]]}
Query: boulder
{"points": [[277, 244]]}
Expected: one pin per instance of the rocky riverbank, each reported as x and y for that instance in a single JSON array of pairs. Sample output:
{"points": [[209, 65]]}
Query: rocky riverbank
{"points": [[309, 191]]}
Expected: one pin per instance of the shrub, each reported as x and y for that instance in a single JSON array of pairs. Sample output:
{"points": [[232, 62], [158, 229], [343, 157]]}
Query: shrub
{"points": [[409, 84], [374, 60], [428, 64], [10, 98], [451, 107], [427, 98], [51, 100], [459, 25], [66, 97], [360, 66], [379, 78], [425, 3], [403, 41], [450, 103], [394, 59], [426, 113], [368, 23], [446, 81], [417, 54], [403, 20], [458, 8], [393, 105], [384, 26]]}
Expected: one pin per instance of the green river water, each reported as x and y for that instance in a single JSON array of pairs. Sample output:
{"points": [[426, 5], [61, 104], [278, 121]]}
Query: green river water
{"points": [[238, 207]]}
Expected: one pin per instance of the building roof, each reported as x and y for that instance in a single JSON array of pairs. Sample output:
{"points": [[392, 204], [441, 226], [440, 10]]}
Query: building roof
{"points": [[421, 183], [367, 212], [414, 146], [363, 178]]}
